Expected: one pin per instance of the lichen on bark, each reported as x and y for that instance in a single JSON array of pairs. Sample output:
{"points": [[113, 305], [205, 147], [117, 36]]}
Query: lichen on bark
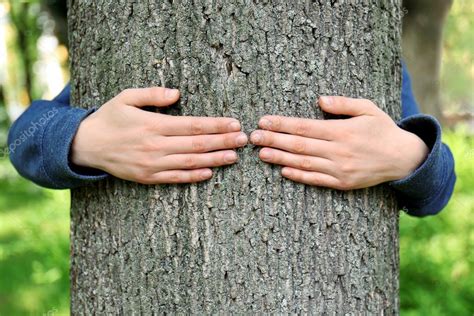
{"points": [[246, 241]]}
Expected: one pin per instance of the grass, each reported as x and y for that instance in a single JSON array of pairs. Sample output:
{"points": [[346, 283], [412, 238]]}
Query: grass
{"points": [[34, 247], [437, 253]]}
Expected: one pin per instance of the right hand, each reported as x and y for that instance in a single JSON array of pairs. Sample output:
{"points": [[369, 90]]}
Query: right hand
{"points": [[151, 148]]}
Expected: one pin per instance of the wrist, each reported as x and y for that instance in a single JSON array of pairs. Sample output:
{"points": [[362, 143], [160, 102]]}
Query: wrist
{"points": [[81, 154], [412, 152]]}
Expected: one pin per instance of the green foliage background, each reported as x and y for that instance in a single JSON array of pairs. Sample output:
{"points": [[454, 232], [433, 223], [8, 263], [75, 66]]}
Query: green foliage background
{"points": [[457, 86], [437, 253]]}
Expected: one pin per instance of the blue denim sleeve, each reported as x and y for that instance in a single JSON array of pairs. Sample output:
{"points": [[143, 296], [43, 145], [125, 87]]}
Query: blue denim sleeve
{"points": [[428, 189], [39, 142]]}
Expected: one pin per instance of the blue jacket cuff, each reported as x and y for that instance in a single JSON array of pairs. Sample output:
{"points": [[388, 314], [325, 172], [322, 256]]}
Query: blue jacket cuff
{"points": [[57, 166], [427, 190]]}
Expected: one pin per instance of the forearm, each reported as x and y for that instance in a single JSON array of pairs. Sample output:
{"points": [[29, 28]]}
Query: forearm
{"points": [[428, 189], [39, 143]]}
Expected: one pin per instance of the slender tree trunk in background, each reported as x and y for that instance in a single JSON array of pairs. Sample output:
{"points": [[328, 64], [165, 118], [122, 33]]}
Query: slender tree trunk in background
{"points": [[423, 25], [58, 11], [247, 240], [27, 33]]}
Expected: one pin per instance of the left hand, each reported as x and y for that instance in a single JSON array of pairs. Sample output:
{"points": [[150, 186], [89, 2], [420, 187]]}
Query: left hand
{"points": [[362, 151]]}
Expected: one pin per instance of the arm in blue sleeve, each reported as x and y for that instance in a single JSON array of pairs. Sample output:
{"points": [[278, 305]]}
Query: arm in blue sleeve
{"points": [[428, 189], [39, 142]]}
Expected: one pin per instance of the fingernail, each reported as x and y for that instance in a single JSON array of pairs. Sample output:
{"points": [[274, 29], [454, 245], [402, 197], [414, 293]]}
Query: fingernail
{"points": [[206, 173], [256, 137], [265, 154], [242, 139], [265, 123], [171, 93], [230, 157], [326, 100], [234, 126]]}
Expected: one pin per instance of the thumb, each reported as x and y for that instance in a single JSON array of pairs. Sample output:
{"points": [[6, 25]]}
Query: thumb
{"points": [[156, 96], [346, 106]]}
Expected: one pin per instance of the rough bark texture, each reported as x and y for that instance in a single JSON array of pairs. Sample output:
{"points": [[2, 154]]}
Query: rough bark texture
{"points": [[422, 47], [246, 241]]}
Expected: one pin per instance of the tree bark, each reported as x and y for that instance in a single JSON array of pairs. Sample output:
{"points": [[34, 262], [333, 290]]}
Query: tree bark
{"points": [[247, 241]]}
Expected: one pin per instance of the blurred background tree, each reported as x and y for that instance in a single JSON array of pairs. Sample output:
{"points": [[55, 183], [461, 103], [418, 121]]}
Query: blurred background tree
{"points": [[457, 72], [25, 17], [423, 25], [437, 253], [33, 41]]}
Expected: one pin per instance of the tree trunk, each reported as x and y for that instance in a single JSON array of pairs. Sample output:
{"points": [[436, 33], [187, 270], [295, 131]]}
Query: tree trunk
{"points": [[246, 241], [422, 47]]}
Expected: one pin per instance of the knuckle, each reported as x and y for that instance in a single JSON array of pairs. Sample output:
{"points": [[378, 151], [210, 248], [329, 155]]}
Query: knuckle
{"points": [[267, 138], [126, 92], [229, 140], [345, 184], [222, 126], [302, 128], [143, 177], [195, 177], [151, 146], [153, 128], [369, 103], [198, 145], [299, 146], [157, 92], [343, 132], [347, 168], [345, 154], [276, 122], [275, 157], [144, 163], [305, 163], [314, 180], [349, 155], [196, 127], [218, 160], [190, 162], [174, 177]]}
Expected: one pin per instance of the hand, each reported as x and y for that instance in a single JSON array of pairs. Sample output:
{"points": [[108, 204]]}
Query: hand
{"points": [[364, 150], [150, 148]]}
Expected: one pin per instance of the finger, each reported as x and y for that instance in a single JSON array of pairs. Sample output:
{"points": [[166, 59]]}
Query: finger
{"points": [[322, 129], [295, 144], [347, 106], [302, 162], [189, 125], [157, 96], [203, 143], [310, 177], [198, 161], [179, 176]]}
